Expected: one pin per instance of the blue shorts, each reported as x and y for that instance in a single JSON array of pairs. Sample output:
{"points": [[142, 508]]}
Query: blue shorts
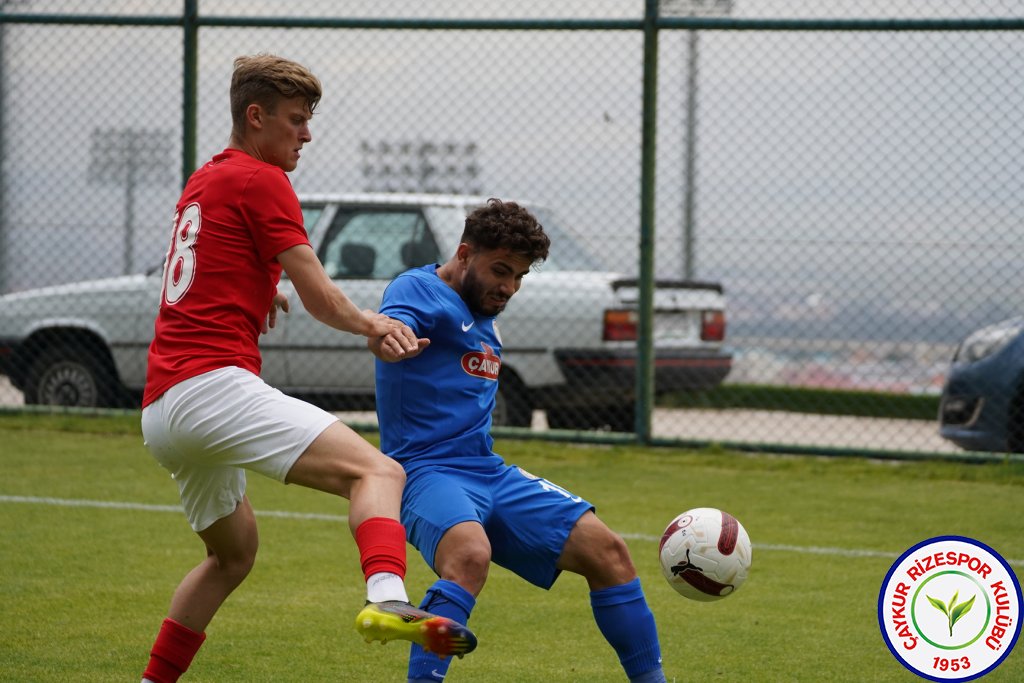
{"points": [[527, 519]]}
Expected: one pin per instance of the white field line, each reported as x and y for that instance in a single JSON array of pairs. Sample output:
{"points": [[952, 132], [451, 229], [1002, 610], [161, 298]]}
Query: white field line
{"points": [[77, 503], [284, 514]]}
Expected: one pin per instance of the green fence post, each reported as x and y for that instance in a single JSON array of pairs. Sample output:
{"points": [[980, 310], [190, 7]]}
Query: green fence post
{"points": [[645, 305], [190, 40]]}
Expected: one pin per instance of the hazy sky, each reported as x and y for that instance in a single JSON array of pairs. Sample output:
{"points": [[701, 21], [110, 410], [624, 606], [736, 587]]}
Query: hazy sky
{"points": [[831, 166]]}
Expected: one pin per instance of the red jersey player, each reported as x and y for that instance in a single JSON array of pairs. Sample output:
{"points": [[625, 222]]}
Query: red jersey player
{"points": [[208, 417]]}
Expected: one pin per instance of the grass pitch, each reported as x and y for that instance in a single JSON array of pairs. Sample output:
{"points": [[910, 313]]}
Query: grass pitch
{"points": [[92, 545]]}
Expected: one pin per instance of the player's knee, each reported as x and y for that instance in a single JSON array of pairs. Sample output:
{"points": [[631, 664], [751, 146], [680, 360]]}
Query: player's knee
{"points": [[469, 570], [467, 563], [389, 469], [236, 565], [378, 474], [618, 553], [475, 563], [608, 562], [396, 470]]}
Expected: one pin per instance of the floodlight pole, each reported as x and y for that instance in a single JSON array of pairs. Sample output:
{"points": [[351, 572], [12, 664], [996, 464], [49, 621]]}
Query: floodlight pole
{"points": [[131, 173], [690, 158], [692, 8], [129, 156]]}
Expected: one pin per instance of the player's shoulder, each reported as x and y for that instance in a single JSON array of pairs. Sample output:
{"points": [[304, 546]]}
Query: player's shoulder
{"points": [[419, 277], [264, 176], [235, 168], [235, 161], [416, 284]]}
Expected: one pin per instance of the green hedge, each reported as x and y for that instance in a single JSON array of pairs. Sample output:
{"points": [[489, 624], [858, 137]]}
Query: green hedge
{"points": [[804, 400]]}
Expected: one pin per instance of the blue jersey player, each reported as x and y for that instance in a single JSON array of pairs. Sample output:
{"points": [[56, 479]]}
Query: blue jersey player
{"points": [[463, 507]]}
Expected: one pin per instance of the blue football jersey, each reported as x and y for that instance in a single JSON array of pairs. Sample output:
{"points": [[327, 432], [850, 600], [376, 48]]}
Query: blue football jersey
{"points": [[436, 408]]}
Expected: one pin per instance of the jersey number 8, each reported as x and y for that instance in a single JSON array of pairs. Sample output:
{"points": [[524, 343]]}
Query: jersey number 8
{"points": [[181, 259]]}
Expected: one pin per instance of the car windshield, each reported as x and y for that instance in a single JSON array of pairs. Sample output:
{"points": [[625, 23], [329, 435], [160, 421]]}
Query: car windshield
{"points": [[566, 254], [310, 215]]}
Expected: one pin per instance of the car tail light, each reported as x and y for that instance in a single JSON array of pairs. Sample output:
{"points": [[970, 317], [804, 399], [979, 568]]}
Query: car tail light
{"points": [[712, 325], [619, 325]]}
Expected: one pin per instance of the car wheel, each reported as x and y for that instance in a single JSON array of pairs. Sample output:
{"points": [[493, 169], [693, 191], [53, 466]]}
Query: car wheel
{"points": [[512, 404], [619, 417], [70, 377]]}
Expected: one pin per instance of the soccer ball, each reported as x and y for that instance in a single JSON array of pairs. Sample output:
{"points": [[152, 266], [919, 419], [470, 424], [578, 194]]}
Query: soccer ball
{"points": [[705, 554]]}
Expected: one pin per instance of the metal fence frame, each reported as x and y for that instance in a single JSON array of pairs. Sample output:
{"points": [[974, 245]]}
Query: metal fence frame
{"points": [[651, 24]]}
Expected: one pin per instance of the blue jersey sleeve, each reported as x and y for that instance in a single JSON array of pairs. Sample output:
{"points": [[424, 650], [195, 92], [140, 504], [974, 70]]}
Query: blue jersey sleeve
{"points": [[410, 300]]}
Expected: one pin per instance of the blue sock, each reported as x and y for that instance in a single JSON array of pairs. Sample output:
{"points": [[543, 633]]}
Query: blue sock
{"points": [[445, 599], [625, 620]]}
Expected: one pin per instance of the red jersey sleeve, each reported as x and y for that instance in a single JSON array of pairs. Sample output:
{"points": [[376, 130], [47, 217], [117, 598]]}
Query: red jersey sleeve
{"points": [[272, 212]]}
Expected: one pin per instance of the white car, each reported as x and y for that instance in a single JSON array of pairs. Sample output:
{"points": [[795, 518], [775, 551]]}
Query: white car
{"points": [[569, 334]]}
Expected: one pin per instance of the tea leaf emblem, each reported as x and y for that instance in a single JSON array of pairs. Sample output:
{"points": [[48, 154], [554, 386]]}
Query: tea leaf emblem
{"points": [[953, 611]]}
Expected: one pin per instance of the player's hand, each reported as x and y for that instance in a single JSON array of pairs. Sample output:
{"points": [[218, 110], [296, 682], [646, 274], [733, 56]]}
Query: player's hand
{"points": [[280, 301], [391, 340], [392, 348], [380, 325]]}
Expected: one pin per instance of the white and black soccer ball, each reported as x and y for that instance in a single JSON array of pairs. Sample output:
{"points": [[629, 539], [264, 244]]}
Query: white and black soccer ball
{"points": [[705, 554]]}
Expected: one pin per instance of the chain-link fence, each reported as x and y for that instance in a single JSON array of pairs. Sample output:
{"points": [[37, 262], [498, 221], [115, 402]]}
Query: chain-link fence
{"points": [[847, 173]]}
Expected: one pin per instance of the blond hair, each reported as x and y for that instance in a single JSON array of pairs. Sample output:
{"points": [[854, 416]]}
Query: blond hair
{"points": [[265, 80]]}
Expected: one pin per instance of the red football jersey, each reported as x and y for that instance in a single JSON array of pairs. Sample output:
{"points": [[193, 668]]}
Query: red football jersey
{"points": [[234, 217]]}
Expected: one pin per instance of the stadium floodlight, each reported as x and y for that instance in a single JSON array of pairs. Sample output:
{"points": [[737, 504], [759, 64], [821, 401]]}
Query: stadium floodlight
{"points": [[420, 166], [129, 157]]}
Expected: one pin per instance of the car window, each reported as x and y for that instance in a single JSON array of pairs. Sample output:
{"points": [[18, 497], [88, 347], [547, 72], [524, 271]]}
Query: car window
{"points": [[376, 244], [566, 252], [310, 215]]}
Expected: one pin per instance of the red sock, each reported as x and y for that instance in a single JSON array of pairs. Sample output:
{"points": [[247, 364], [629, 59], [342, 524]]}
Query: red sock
{"points": [[381, 544], [172, 652]]}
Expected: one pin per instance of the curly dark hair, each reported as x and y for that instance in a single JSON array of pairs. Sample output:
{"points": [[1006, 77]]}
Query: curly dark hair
{"points": [[506, 225]]}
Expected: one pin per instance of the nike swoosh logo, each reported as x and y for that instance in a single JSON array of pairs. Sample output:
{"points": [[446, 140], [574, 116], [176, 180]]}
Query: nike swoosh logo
{"points": [[435, 673], [465, 327]]}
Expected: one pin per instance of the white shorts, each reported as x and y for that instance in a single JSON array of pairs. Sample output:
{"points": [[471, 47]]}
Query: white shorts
{"points": [[208, 430]]}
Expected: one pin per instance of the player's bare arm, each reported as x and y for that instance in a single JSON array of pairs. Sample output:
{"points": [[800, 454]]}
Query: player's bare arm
{"points": [[324, 300]]}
